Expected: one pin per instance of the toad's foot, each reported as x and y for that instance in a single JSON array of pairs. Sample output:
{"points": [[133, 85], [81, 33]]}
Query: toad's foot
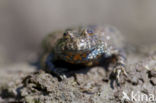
{"points": [[62, 77], [118, 70], [60, 73]]}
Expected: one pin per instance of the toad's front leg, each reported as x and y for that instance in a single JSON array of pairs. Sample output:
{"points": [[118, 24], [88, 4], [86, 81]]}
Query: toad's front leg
{"points": [[120, 62], [120, 65], [49, 67]]}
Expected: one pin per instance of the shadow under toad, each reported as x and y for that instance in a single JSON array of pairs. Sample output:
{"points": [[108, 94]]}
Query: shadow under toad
{"points": [[72, 69]]}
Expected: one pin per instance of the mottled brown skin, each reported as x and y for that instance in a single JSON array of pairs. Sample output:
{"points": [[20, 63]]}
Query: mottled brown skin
{"points": [[86, 45]]}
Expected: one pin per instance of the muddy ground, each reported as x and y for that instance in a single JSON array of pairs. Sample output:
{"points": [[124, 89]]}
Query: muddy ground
{"points": [[23, 82], [88, 85]]}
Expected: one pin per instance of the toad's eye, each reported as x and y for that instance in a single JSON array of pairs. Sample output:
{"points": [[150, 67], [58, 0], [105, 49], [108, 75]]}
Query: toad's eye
{"points": [[87, 32], [90, 31], [65, 34]]}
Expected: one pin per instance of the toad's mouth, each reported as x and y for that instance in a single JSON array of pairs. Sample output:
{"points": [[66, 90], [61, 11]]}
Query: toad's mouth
{"points": [[73, 51]]}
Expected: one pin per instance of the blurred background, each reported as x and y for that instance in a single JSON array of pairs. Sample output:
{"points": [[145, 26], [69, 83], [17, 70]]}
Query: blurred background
{"points": [[24, 23]]}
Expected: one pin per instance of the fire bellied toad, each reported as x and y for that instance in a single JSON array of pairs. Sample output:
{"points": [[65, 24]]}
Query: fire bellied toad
{"points": [[86, 45]]}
